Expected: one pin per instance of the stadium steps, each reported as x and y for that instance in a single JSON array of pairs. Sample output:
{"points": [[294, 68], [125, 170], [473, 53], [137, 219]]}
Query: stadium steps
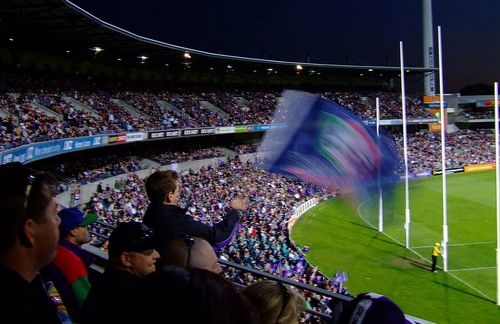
{"points": [[150, 163], [209, 106], [132, 110], [14, 95], [172, 109], [7, 115], [240, 101], [452, 128], [81, 106], [226, 151], [46, 110]]}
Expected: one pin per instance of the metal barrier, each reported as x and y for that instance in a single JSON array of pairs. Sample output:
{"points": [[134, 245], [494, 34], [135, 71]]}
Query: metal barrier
{"points": [[337, 299]]}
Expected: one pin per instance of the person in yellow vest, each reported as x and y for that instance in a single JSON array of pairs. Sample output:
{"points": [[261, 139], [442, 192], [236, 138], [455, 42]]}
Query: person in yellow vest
{"points": [[436, 251]]}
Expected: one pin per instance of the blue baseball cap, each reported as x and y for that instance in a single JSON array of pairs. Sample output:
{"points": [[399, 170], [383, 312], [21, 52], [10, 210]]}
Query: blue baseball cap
{"points": [[72, 218]]}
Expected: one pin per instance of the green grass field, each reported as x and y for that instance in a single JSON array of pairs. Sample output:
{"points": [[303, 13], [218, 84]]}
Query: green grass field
{"points": [[340, 237]]}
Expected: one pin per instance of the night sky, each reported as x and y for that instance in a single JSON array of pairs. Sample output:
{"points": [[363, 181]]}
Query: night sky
{"points": [[328, 31]]}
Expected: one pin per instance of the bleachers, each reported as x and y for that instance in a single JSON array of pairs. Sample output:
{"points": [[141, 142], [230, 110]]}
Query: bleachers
{"points": [[78, 108]]}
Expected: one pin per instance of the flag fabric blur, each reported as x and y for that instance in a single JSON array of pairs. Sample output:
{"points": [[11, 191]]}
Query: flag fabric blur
{"points": [[321, 142]]}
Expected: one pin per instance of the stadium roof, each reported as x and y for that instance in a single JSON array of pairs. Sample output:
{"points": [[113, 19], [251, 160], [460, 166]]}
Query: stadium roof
{"points": [[62, 28]]}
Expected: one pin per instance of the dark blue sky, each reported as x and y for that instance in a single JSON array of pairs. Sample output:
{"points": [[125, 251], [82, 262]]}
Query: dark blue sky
{"points": [[366, 32]]}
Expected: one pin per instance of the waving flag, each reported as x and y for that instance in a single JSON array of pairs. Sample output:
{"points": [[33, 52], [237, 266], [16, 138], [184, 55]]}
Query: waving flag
{"points": [[321, 142]]}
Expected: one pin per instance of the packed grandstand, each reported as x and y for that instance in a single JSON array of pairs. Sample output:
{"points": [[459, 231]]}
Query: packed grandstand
{"points": [[77, 127], [33, 113]]}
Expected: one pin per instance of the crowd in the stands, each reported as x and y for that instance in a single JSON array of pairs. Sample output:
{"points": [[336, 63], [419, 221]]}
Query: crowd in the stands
{"points": [[168, 157], [262, 241], [34, 110], [97, 169], [464, 147], [245, 148], [478, 114]]}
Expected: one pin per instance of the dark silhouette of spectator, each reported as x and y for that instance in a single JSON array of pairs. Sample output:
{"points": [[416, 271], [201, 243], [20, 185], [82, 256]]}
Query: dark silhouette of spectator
{"points": [[131, 257], [28, 241], [69, 269], [176, 295]]}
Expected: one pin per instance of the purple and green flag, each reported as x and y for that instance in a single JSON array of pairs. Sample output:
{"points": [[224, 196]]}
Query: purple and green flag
{"points": [[323, 143]]}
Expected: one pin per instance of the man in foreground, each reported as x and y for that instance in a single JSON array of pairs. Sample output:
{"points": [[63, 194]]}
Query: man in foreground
{"points": [[131, 257], [28, 241]]}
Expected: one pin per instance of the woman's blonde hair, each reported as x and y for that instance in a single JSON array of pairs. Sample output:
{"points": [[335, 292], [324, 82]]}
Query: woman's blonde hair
{"points": [[275, 302]]}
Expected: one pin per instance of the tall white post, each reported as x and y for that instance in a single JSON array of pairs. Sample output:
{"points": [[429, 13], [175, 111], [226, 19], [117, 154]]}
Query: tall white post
{"points": [[497, 160], [428, 47], [380, 198], [443, 154], [405, 147]]}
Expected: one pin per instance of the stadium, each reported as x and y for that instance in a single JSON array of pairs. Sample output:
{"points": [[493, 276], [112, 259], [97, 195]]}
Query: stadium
{"points": [[103, 108]]}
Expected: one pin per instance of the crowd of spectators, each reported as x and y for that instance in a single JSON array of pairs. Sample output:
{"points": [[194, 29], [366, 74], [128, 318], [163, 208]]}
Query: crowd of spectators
{"points": [[478, 114], [87, 108], [464, 147], [363, 104], [168, 157], [262, 241], [189, 103], [245, 148], [26, 124], [94, 170]]}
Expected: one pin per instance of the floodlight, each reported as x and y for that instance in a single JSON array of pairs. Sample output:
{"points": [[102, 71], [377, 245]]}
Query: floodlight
{"points": [[97, 49]]}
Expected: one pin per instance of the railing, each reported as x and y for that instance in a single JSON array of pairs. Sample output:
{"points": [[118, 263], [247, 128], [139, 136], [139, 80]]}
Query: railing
{"points": [[336, 299]]}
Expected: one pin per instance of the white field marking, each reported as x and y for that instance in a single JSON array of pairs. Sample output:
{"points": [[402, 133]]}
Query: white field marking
{"points": [[421, 256], [457, 278], [472, 269], [458, 244]]}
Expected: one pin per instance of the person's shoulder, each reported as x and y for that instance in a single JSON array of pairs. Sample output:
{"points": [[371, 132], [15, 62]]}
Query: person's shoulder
{"points": [[69, 263], [11, 280]]}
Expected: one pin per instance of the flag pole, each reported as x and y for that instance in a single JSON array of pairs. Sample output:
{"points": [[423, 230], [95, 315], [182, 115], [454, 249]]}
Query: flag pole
{"points": [[443, 154], [497, 160], [380, 199], [405, 147]]}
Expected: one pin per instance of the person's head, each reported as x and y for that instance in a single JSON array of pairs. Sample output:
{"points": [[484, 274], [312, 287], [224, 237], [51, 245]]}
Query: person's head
{"points": [[162, 187], [371, 308], [132, 248], [191, 252], [274, 301], [29, 214], [74, 225], [193, 296], [437, 244]]}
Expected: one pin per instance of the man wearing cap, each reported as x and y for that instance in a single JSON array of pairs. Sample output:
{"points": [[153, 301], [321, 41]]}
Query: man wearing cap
{"points": [[131, 256], [69, 269]]}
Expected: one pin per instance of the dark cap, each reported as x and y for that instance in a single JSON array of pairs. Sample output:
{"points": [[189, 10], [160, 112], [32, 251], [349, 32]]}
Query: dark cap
{"points": [[72, 218], [368, 308], [130, 237]]}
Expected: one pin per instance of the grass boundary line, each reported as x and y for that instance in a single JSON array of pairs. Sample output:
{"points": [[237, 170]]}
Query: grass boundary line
{"points": [[457, 244], [472, 269]]}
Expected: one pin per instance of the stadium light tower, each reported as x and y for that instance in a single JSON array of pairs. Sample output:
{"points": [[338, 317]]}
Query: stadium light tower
{"points": [[428, 47]]}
